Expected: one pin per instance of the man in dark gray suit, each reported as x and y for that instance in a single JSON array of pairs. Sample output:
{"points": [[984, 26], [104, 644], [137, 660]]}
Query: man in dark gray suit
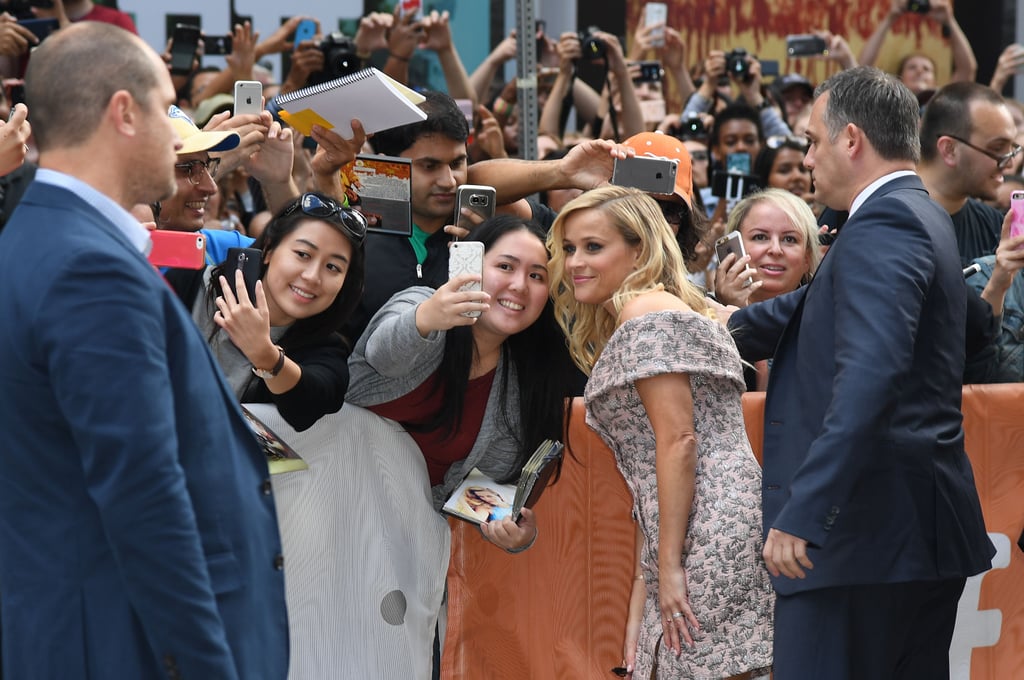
{"points": [[871, 516]]}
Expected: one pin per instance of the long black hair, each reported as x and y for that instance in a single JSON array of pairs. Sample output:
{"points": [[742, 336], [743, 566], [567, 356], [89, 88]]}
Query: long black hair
{"points": [[538, 354], [315, 328]]}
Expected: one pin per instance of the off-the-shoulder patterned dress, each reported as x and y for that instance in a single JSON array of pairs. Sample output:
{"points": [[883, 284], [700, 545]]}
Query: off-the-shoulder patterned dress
{"points": [[728, 584]]}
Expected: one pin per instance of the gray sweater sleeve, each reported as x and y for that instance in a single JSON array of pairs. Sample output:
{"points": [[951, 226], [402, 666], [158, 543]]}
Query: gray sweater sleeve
{"points": [[391, 358]]}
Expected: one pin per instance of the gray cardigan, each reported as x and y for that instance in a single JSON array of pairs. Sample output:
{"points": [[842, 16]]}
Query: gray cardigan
{"points": [[391, 359]]}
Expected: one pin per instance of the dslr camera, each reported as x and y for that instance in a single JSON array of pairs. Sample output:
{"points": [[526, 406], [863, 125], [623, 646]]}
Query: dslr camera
{"points": [[736, 64], [919, 6], [592, 46], [693, 126], [339, 58]]}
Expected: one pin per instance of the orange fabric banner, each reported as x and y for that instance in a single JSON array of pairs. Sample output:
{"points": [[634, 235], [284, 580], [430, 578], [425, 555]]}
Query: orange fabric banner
{"points": [[557, 610]]}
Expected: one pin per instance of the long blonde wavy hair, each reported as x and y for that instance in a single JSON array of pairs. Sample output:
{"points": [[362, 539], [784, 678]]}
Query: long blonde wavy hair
{"points": [[660, 266]]}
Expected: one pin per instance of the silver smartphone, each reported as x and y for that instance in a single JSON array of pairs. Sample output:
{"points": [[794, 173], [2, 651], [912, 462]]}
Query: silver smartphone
{"points": [[248, 97], [647, 173], [477, 198], [731, 243], [466, 257], [656, 13]]}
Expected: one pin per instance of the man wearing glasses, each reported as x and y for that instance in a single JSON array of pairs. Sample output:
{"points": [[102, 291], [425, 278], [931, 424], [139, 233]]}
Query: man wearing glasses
{"points": [[194, 173], [967, 141]]}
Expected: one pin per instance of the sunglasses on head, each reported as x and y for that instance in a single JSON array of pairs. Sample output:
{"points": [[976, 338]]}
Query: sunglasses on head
{"points": [[352, 221], [795, 141]]}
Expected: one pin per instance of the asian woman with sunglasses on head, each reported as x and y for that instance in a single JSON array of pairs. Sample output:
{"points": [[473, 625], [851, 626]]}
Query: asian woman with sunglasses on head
{"points": [[284, 347]]}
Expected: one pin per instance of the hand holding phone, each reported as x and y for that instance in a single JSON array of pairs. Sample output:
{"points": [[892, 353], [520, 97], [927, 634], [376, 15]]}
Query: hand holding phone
{"points": [[248, 97], [732, 243], [179, 249], [249, 262], [467, 257], [474, 198], [184, 43], [806, 45], [647, 173], [303, 32], [656, 13], [1017, 221]]}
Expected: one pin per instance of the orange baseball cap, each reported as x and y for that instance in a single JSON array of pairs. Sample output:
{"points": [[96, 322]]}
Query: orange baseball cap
{"points": [[660, 145]]}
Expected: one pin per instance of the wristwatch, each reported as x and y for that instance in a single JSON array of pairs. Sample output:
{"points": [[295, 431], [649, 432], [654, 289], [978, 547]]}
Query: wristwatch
{"points": [[272, 373]]}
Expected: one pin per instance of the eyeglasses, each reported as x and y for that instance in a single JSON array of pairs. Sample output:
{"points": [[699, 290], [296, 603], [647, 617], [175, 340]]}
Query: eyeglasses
{"points": [[352, 221], [699, 156], [1001, 160], [195, 169], [779, 141]]}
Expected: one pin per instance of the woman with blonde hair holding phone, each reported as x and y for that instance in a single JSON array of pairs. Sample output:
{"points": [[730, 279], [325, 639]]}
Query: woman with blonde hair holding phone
{"points": [[664, 394]]}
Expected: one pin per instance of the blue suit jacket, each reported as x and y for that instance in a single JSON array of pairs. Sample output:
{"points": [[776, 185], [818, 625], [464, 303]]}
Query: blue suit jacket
{"points": [[863, 446], [138, 535]]}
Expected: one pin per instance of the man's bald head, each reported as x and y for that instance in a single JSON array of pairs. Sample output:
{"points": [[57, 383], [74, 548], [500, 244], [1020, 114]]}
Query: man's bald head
{"points": [[72, 76]]}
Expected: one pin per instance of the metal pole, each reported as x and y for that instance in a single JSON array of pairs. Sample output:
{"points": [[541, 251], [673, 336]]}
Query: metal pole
{"points": [[526, 78]]}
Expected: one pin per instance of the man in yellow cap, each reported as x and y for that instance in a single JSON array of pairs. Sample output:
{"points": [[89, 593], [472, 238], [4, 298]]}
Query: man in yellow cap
{"points": [[194, 172]]}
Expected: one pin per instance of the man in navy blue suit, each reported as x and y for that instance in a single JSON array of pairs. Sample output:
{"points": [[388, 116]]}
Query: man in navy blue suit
{"points": [[138, 534], [872, 520]]}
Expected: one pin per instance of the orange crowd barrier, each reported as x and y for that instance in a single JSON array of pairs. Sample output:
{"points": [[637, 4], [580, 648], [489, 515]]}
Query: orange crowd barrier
{"points": [[557, 610]]}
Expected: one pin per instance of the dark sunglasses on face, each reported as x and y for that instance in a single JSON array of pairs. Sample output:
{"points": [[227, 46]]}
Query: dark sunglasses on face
{"points": [[352, 221]]}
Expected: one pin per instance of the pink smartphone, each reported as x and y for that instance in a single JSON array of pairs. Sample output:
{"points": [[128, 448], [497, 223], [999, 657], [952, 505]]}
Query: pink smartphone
{"points": [[1017, 208], [181, 249]]}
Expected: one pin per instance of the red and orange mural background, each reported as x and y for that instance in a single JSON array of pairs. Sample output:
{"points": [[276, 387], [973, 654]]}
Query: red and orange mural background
{"points": [[761, 27]]}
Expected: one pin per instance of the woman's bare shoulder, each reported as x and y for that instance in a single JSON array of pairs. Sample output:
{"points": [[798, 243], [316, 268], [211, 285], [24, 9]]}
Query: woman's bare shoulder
{"points": [[654, 301]]}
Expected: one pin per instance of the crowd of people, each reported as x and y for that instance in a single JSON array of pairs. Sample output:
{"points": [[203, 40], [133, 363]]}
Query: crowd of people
{"points": [[133, 489]]}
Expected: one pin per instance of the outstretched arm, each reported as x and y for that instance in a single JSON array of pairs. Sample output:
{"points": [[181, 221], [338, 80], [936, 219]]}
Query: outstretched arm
{"points": [[965, 65], [873, 45], [437, 32]]}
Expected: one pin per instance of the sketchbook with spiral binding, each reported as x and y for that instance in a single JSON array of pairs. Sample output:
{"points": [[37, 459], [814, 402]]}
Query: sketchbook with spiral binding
{"points": [[378, 101]]}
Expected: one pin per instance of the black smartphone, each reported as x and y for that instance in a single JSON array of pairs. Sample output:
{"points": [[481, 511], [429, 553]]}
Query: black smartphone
{"points": [[184, 43], [249, 261], [41, 28], [15, 92], [217, 45], [805, 45], [650, 72]]}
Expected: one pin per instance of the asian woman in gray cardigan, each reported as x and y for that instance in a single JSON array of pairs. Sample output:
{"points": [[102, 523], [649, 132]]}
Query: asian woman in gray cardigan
{"points": [[474, 392]]}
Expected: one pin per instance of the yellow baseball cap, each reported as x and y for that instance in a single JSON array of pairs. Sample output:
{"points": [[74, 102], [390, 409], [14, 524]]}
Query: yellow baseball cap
{"points": [[195, 140]]}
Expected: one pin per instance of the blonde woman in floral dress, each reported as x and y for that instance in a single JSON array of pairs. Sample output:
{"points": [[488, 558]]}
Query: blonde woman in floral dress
{"points": [[664, 394]]}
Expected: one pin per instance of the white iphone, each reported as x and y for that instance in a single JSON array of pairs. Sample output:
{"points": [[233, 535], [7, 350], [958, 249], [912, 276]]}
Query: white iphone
{"points": [[656, 13], [248, 97], [466, 257]]}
